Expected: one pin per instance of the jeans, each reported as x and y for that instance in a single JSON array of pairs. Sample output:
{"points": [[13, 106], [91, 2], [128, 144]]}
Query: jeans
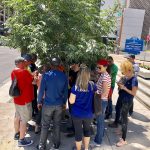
{"points": [[39, 117], [49, 112], [124, 117], [100, 123], [34, 102], [109, 108], [131, 109]]}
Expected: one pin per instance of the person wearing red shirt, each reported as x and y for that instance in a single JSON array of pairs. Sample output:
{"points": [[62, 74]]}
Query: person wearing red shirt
{"points": [[23, 103]]}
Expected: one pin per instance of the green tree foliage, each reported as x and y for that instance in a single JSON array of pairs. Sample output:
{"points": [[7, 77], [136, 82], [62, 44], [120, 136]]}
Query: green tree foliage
{"points": [[72, 29]]}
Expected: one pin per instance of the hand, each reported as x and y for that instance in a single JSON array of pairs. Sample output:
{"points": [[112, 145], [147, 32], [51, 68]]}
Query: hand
{"points": [[121, 86], [39, 106]]}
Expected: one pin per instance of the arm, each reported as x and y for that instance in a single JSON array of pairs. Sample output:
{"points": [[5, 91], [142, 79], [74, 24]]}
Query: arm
{"points": [[42, 90], [132, 92], [105, 89], [72, 98]]}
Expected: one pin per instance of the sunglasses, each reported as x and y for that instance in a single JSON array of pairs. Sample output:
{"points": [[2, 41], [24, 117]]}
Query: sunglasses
{"points": [[99, 68]]}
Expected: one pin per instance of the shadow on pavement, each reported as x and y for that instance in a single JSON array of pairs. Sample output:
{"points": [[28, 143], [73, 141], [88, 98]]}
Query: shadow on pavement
{"points": [[140, 117]]}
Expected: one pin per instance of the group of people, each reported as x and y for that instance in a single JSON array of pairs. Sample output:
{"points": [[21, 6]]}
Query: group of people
{"points": [[55, 89]]}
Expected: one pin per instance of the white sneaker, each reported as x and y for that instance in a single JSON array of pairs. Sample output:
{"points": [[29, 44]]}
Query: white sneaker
{"points": [[94, 144]]}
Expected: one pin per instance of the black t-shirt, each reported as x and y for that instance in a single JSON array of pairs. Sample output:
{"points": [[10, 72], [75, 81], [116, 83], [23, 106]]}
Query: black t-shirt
{"points": [[33, 67], [72, 77]]}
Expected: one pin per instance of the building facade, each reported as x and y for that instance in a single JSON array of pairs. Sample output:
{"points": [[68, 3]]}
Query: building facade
{"points": [[143, 4]]}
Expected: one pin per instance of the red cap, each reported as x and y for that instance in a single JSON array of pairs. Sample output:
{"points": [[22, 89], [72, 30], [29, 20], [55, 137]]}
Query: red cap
{"points": [[102, 62]]}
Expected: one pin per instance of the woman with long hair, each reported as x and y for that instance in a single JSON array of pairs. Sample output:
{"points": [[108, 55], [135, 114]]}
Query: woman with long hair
{"points": [[81, 98]]}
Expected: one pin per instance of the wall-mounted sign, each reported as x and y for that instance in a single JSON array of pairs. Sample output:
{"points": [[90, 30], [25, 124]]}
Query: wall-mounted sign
{"points": [[134, 45]]}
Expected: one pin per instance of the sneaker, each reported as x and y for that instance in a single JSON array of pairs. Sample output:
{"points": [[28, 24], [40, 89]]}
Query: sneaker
{"points": [[113, 125], [24, 142], [16, 136], [94, 144], [55, 147], [40, 147]]}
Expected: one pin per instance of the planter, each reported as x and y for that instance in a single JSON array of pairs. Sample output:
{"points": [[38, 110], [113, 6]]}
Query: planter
{"points": [[144, 73]]}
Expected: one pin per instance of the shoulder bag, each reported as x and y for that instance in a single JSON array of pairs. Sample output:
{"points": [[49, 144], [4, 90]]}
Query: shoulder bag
{"points": [[14, 91]]}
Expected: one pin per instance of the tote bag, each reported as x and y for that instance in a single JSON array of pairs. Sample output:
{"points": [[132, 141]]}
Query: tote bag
{"points": [[97, 104], [14, 91]]}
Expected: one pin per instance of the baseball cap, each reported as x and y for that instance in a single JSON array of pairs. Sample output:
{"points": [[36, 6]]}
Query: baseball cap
{"points": [[102, 62], [18, 60], [27, 57], [55, 61]]}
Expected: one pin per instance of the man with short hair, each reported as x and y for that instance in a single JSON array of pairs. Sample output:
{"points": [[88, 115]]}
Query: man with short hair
{"points": [[113, 70], [136, 67], [54, 86], [23, 105]]}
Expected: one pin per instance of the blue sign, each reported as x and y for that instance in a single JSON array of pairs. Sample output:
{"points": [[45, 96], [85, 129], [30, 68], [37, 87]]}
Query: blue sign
{"points": [[134, 45]]}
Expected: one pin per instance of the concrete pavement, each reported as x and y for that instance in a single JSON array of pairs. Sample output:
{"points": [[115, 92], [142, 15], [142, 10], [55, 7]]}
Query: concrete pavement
{"points": [[138, 136]]}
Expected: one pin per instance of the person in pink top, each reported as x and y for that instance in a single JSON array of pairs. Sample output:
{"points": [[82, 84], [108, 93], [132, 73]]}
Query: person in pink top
{"points": [[103, 88]]}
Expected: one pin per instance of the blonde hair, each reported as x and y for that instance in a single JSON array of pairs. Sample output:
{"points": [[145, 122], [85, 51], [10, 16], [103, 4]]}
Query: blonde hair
{"points": [[126, 66], [83, 78]]}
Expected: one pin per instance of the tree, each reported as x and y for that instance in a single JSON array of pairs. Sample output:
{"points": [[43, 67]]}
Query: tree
{"points": [[72, 29]]}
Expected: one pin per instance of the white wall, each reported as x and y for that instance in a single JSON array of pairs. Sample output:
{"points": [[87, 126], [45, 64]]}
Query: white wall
{"points": [[132, 24]]}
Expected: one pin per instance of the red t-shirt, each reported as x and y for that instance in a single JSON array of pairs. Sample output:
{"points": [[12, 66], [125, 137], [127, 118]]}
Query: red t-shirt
{"points": [[24, 79]]}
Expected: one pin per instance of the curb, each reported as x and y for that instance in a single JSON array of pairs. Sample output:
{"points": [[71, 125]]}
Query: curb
{"points": [[4, 90]]}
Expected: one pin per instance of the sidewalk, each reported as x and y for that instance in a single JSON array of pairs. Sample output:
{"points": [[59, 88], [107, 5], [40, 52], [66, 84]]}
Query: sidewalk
{"points": [[138, 136]]}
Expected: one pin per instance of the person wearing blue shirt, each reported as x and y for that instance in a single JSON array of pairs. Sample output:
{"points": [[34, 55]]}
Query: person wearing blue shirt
{"points": [[81, 98], [127, 92], [136, 70], [54, 88]]}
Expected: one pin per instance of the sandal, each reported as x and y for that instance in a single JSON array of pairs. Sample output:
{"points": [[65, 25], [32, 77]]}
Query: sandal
{"points": [[121, 143]]}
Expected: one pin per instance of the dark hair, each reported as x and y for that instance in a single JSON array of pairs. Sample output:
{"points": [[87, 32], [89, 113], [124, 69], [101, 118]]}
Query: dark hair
{"points": [[110, 58], [34, 56], [55, 61], [132, 56]]}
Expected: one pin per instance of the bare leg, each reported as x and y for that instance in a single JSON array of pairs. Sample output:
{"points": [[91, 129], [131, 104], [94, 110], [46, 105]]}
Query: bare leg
{"points": [[23, 129], [86, 142], [17, 124], [78, 145]]}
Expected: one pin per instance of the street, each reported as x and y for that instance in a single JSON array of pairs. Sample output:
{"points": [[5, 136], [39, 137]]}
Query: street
{"points": [[7, 57]]}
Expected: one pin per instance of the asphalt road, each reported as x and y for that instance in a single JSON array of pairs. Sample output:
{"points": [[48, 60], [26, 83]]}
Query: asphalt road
{"points": [[7, 57]]}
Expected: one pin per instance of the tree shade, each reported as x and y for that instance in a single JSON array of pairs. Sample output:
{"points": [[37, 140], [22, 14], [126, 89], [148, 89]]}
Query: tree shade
{"points": [[71, 29]]}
